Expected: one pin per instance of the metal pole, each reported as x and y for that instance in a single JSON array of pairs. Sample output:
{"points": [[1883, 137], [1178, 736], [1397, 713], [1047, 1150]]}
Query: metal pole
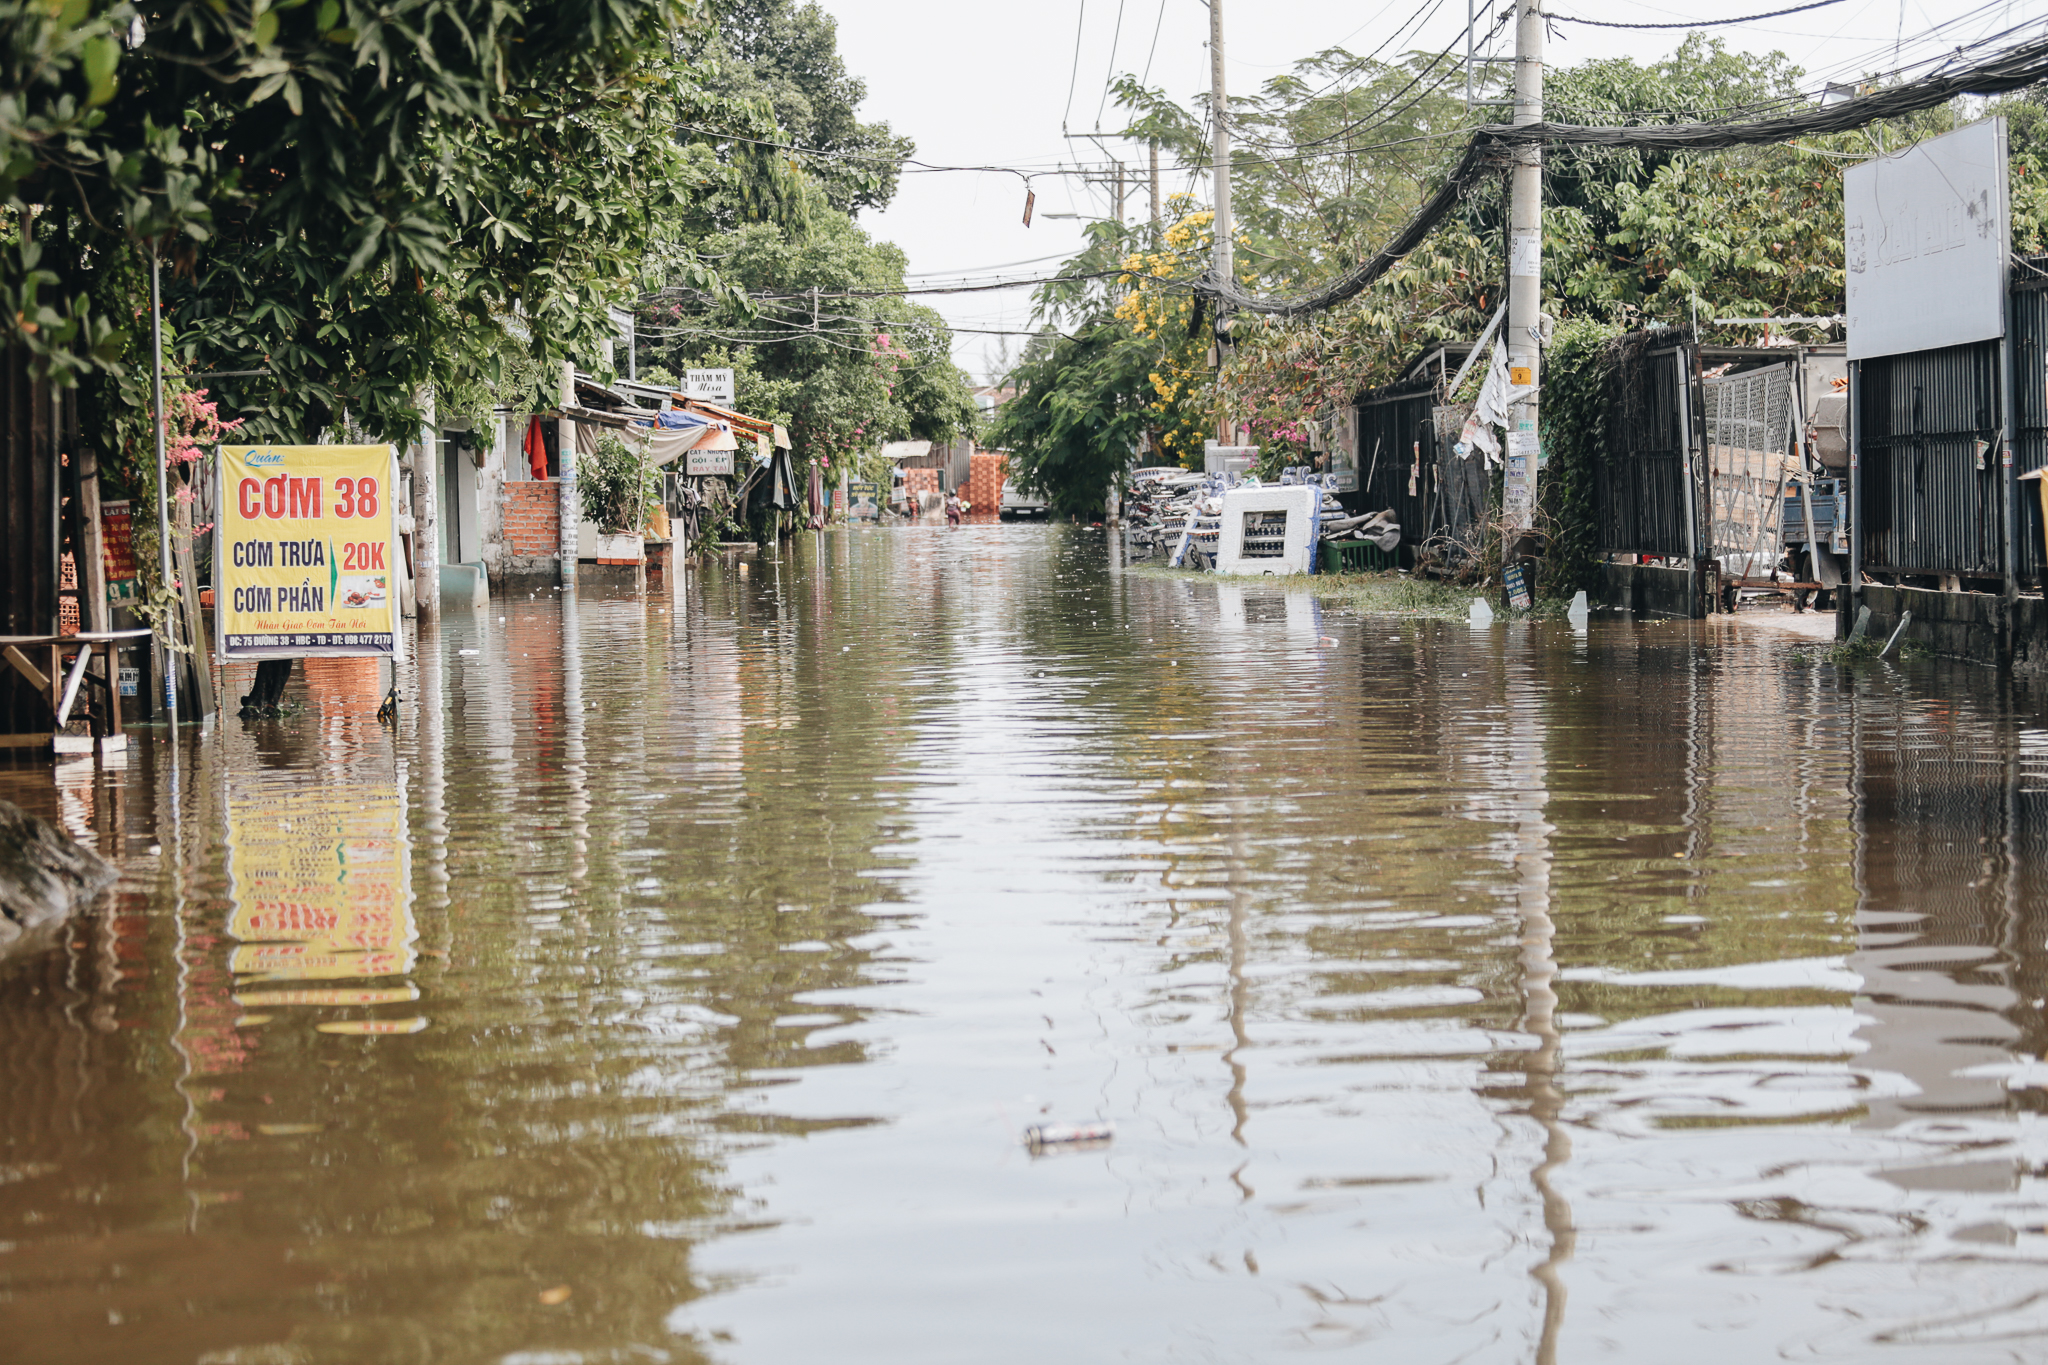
{"points": [[1471, 20], [565, 444], [1525, 273], [1683, 360], [1219, 108], [2008, 489], [426, 518], [169, 650], [1853, 598], [1478, 349]]}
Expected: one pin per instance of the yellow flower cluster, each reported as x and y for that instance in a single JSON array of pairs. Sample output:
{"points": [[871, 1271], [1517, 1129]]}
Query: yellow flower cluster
{"points": [[1182, 234]]}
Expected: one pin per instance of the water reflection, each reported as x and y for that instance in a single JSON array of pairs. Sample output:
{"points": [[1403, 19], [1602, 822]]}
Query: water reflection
{"points": [[321, 891], [1512, 994]]}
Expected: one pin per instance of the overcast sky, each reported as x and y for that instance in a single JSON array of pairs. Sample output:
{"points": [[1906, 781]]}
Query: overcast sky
{"points": [[990, 85]]}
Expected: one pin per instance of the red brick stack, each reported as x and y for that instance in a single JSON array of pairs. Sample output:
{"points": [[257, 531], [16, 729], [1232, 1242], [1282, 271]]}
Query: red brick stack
{"points": [[533, 518], [985, 482]]}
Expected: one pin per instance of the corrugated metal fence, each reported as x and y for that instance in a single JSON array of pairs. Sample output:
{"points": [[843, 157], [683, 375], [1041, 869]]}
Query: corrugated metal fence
{"points": [[1931, 483], [1929, 475], [2029, 349], [1641, 501]]}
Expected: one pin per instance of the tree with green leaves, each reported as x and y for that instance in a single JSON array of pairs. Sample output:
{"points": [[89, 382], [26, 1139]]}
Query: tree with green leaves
{"points": [[357, 204], [787, 54]]}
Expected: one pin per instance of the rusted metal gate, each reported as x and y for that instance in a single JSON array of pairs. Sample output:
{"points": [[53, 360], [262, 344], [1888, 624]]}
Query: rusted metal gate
{"points": [[1642, 501], [1397, 459], [1748, 431], [1406, 461]]}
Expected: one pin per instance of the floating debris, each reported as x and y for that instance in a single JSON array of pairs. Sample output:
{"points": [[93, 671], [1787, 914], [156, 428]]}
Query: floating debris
{"points": [[1068, 1137]]}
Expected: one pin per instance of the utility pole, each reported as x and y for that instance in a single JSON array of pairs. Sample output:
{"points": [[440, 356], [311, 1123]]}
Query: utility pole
{"points": [[1155, 181], [571, 503], [166, 648], [1224, 266], [1471, 19], [1119, 194], [1219, 109], [1525, 276]]}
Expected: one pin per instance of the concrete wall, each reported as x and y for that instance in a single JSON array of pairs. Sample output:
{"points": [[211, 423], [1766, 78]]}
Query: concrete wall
{"points": [[503, 447], [1644, 589], [462, 537], [1977, 626]]}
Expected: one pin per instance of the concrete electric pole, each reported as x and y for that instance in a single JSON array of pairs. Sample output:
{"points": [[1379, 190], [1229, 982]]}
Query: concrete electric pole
{"points": [[565, 461], [1155, 181], [1219, 110], [1525, 274], [1224, 265]]}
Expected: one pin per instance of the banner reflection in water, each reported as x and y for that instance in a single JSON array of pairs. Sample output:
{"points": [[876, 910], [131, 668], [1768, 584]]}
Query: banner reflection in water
{"points": [[321, 892]]}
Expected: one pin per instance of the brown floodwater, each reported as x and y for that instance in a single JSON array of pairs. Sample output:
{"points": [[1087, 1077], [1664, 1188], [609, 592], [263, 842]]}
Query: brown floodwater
{"points": [[676, 982]]}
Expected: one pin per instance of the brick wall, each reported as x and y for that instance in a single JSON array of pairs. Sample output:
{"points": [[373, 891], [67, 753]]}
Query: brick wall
{"points": [[920, 481], [533, 519], [985, 482]]}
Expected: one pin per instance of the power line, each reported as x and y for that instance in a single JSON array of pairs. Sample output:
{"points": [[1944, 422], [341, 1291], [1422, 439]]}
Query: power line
{"points": [[1419, 76], [1694, 23], [1146, 79], [972, 271], [1416, 21], [909, 164], [1074, 76], [1109, 76], [2012, 70], [805, 296]]}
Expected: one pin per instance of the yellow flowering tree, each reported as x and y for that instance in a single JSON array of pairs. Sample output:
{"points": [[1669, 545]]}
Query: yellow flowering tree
{"points": [[1153, 302]]}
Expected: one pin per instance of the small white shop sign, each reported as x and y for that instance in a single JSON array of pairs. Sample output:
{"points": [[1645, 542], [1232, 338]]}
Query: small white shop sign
{"points": [[712, 386], [707, 461]]}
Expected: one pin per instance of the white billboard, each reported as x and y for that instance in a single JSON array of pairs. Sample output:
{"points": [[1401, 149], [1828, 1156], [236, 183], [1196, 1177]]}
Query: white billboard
{"points": [[1927, 238]]}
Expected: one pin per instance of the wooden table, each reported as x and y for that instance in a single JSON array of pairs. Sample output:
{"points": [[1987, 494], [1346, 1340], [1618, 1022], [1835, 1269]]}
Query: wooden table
{"points": [[40, 659]]}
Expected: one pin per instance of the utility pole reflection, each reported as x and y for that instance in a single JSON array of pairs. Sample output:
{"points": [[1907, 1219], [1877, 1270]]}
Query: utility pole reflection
{"points": [[1527, 784]]}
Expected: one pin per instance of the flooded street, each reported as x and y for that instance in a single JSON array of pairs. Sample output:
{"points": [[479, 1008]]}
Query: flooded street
{"points": [[676, 983]]}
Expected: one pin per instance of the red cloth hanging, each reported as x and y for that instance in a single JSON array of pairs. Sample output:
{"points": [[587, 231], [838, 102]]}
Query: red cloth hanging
{"points": [[536, 449]]}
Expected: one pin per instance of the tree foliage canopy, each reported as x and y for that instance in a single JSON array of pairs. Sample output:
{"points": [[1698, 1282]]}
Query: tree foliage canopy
{"points": [[359, 205], [1331, 157]]}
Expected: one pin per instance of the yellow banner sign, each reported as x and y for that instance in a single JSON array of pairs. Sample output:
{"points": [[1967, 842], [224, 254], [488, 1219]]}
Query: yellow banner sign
{"points": [[307, 559]]}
